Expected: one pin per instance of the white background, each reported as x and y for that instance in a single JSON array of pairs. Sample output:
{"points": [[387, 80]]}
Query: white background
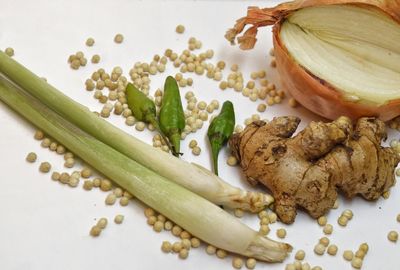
{"points": [[44, 225]]}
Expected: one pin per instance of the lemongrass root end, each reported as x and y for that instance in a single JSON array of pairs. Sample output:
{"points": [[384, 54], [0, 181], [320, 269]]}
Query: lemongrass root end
{"points": [[268, 250]]}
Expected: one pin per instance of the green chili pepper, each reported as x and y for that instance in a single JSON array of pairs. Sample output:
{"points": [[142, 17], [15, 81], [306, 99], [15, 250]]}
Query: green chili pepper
{"points": [[172, 117], [220, 130], [143, 108]]}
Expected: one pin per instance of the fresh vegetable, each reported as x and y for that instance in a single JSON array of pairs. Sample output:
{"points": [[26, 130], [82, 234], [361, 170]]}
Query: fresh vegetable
{"points": [[191, 176], [336, 57], [306, 170], [172, 117], [194, 213], [220, 130], [143, 109]]}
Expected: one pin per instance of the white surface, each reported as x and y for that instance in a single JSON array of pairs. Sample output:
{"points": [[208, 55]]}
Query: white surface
{"points": [[45, 225]]}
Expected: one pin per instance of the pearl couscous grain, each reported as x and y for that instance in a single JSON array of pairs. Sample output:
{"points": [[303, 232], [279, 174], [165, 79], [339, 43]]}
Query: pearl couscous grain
{"points": [[31, 157]]}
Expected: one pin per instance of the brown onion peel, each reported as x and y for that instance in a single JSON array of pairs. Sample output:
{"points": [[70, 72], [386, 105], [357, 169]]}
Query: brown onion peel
{"points": [[312, 92]]}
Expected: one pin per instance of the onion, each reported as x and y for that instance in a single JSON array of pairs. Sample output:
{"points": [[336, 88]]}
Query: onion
{"points": [[336, 57]]}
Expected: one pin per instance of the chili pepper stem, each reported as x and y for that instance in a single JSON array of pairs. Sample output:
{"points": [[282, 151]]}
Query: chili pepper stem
{"points": [[215, 147], [175, 140]]}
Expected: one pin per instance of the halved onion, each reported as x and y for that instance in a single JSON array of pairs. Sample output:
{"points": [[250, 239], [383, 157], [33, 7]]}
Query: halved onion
{"points": [[335, 57]]}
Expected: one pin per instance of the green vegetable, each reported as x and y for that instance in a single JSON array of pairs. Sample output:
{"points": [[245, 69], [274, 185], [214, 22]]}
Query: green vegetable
{"points": [[172, 117], [143, 108], [219, 131], [192, 212], [191, 176]]}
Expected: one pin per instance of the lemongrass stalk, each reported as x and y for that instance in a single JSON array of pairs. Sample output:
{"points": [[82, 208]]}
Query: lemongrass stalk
{"points": [[191, 176], [197, 215]]}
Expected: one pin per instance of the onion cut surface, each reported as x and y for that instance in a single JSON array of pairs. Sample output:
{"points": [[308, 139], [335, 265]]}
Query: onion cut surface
{"points": [[336, 57], [354, 49]]}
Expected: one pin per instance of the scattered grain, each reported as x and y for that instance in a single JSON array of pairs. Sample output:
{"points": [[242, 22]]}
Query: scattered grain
{"points": [[123, 201], [322, 220], [237, 263], [300, 255], [393, 236], [31, 157], [119, 38], [348, 255], [356, 263], [55, 176], [183, 253], [89, 42], [95, 231], [110, 199], [166, 247], [328, 229], [87, 185], [281, 233], [332, 250], [9, 51], [319, 249], [102, 223], [45, 167], [221, 253]]}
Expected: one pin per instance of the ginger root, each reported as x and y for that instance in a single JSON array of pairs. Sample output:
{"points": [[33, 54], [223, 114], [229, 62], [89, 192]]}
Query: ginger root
{"points": [[306, 170]]}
